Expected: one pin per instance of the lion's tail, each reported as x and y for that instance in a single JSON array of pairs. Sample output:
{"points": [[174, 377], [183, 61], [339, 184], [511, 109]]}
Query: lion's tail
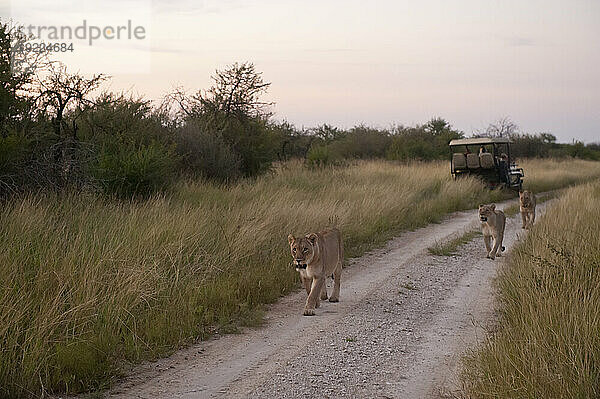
{"points": [[341, 249], [340, 253]]}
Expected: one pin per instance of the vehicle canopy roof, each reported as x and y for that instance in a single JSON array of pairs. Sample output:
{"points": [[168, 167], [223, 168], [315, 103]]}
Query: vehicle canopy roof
{"points": [[480, 141]]}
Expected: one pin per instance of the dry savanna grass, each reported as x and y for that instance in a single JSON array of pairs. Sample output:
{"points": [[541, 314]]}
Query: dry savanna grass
{"points": [[89, 284], [548, 174], [547, 344]]}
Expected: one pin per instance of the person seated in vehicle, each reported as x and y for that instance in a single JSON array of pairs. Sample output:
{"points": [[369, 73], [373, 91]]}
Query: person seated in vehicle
{"points": [[503, 164]]}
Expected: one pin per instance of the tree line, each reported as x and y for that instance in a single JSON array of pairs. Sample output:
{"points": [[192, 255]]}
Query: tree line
{"points": [[59, 130]]}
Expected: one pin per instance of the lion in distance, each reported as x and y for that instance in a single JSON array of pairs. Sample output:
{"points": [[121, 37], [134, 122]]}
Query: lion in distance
{"points": [[527, 207]]}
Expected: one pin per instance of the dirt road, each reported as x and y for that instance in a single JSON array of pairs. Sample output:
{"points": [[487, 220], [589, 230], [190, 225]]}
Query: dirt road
{"points": [[403, 321]]}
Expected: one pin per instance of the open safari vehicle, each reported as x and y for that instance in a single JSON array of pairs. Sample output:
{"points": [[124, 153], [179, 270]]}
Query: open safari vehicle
{"points": [[486, 157]]}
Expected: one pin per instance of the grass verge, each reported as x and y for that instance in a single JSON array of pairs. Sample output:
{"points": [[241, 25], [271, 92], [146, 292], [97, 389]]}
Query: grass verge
{"points": [[547, 344], [89, 284], [451, 246]]}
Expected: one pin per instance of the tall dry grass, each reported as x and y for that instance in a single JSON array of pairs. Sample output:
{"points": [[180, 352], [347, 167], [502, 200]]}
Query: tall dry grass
{"points": [[548, 342], [548, 174], [88, 284]]}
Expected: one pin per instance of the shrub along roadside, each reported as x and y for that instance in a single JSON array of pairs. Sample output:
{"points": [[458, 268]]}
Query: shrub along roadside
{"points": [[547, 344], [132, 172]]}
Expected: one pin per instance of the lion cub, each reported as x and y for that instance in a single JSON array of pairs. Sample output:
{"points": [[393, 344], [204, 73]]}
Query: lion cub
{"points": [[527, 206], [492, 226], [316, 256]]}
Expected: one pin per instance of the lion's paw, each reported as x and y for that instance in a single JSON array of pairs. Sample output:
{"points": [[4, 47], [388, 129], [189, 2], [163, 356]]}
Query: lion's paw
{"points": [[309, 312]]}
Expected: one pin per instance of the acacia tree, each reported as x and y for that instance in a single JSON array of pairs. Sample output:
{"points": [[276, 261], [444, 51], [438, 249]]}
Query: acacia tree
{"points": [[18, 68], [504, 127], [236, 92], [62, 159], [60, 92], [328, 133], [548, 138], [437, 126], [232, 110], [31, 83]]}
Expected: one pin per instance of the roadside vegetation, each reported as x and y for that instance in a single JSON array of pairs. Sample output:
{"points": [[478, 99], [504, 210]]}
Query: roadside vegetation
{"points": [[547, 343], [90, 284], [129, 228]]}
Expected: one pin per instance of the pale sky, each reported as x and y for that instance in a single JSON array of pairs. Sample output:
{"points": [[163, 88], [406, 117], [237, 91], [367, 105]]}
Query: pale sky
{"points": [[348, 62]]}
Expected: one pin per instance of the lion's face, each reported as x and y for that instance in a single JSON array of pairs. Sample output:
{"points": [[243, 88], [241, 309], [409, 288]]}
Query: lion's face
{"points": [[303, 250], [525, 197], [486, 211]]}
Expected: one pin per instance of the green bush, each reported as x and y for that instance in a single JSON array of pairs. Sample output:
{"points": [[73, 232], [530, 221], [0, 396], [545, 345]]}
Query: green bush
{"points": [[294, 143], [544, 145], [41, 161], [131, 172], [404, 148], [426, 142], [116, 118], [322, 155], [362, 142], [13, 150], [204, 153], [253, 141]]}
